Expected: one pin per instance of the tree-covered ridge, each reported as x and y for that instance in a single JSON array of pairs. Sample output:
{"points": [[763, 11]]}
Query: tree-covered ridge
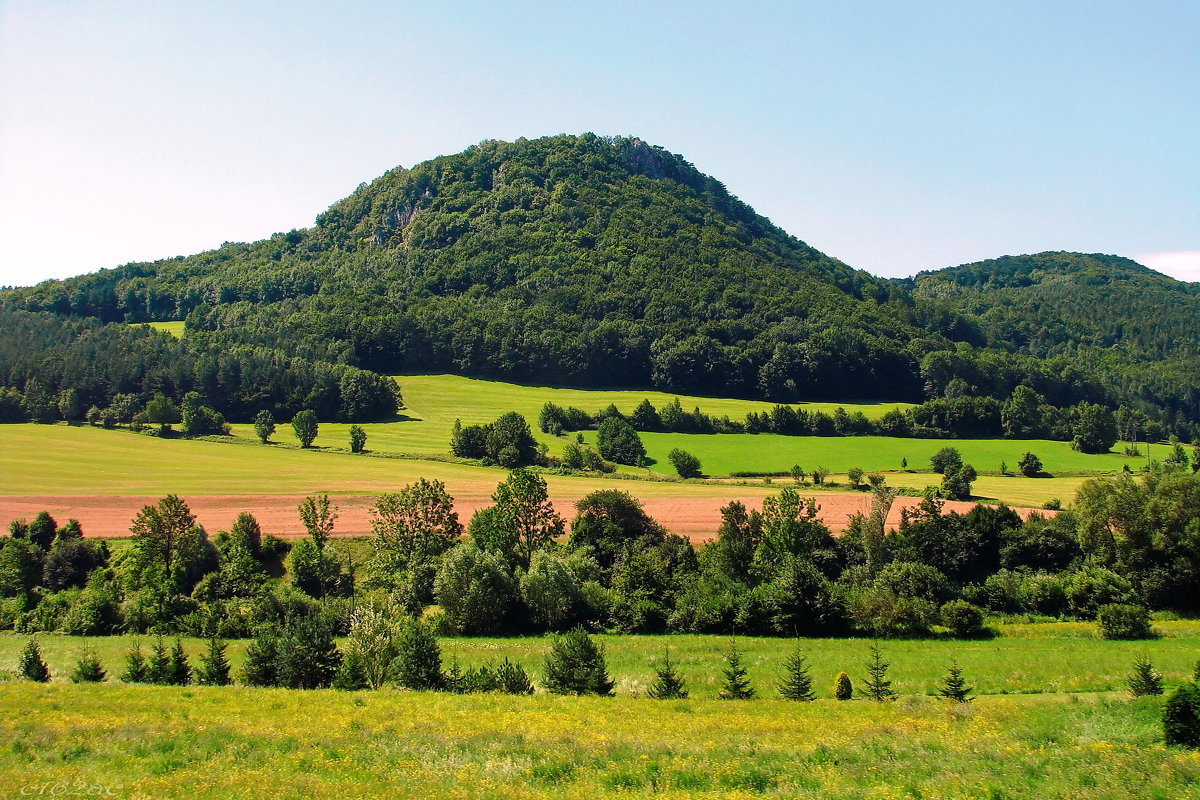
{"points": [[571, 259], [1131, 327]]}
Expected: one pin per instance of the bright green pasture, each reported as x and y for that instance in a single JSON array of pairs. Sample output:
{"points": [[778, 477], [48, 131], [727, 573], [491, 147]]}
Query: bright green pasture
{"points": [[433, 402], [208, 742], [722, 454], [1025, 659], [174, 328]]}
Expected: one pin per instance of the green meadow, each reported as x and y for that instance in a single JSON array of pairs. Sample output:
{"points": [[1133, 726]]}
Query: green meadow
{"points": [[1051, 720]]}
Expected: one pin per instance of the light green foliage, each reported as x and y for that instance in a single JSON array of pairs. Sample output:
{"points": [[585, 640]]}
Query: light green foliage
{"points": [[304, 425]]}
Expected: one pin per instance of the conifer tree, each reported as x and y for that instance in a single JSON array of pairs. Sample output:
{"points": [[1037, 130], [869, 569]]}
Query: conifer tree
{"points": [[179, 671], [877, 686], [158, 668], [1181, 717], [797, 683], [842, 688], [418, 663], [736, 685], [351, 677], [954, 687], [668, 683], [214, 666], [576, 665], [259, 667], [88, 668], [32, 667], [512, 678], [1144, 679], [454, 680], [136, 669]]}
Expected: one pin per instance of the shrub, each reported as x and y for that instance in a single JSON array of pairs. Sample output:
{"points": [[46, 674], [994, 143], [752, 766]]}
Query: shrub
{"points": [[1122, 621], [736, 682], [1144, 680], [956, 484], [668, 683], [1092, 587], [305, 426], [576, 665], [31, 666], [474, 589], [418, 663], [88, 668], [358, 439], [511, 678], [551, 591], [964, 620], [214, 666], [618, 441], [842, 688], [259, 667], [306, 656], [686, 464], [797, 683], [1181, 717], [946, 460], [1030, 465], [264, 425]]}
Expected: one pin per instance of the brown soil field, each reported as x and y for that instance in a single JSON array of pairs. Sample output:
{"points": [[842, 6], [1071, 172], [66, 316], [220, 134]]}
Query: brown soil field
{"points": [[697, 518]]}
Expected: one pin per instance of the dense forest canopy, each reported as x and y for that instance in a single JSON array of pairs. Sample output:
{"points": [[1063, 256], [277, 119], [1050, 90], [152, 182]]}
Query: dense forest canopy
{"points": [[597, 261]]}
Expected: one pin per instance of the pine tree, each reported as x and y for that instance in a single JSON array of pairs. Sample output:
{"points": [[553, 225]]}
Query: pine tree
{"points": [[351, 677], [179, 671], [418, 663], [842, 688], [158, 669], [1181, 717], [259, 667], [512, 678], [576, 665], [88, 668], [32, 667], [877, 686], [797, 683], [954, 687], [135, 665], [737, 683], [1144, 679], [214, 666], [669, 684], [307, 656]]}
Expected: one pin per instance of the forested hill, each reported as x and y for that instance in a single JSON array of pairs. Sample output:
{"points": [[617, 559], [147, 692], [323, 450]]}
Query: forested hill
{"points": [[596, 261], [570, 259], [1137, 328]]}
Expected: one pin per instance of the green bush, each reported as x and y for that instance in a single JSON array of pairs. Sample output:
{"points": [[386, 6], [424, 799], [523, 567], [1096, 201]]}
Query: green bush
{"points": [[964, 620], [842, 688], [88, 668], [1181, 717], [31, 666], [1122, 621], [576, 665], [686, 464], [475, 589]]}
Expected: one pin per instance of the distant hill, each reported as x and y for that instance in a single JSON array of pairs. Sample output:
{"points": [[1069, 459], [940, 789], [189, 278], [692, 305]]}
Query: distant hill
{"points": [[1137, 328], [596, 261]]}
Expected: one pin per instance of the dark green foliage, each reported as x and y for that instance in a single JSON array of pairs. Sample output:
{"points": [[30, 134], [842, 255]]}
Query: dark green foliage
{"points": [[358, 439], [42, 530], [71, 560], [1124, 621], [610, 521], [797, 683], [163, 412], [264, 425], [20, 567], [31, 666], [306, 656], [956, 484], [1144, 680], [1094, 427], [1030, 465], [158, 668], [304, 425], [179, 671], [876, 685], [617, 441], [576, 665], [842, 688], [351, 677], [945, 460], [475, 589], [199, 419], [259, 667], [510, 442], [136, 668], [511, 678], [88, 668], [954, 686], [418, 662], [735, 681], [1181, 717], [668, 683], [964, 620], [686, 464], [214, 666]]}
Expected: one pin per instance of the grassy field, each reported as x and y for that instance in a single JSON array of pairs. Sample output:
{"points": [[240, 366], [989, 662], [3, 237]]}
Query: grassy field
{"points": [[174, 328], [144, 741]]}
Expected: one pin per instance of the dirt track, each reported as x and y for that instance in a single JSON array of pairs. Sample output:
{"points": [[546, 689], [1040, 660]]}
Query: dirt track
{"points": [[109, 515]]}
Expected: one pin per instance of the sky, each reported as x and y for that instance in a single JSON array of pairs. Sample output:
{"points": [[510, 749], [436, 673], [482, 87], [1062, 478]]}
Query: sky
{"points": [[894, 136]]}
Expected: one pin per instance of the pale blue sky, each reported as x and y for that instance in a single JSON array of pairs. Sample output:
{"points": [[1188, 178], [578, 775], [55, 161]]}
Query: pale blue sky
{"points": [[895, 136]]}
